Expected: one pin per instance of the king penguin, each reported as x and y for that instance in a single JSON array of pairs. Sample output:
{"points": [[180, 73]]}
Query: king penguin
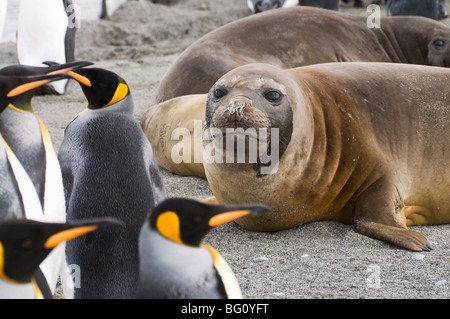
{"points": [[257, 6], [46, 31], [108, 169], [173, 262], [24, 244], [30, 141], [3, 11], [109, 6], [18, 195]]}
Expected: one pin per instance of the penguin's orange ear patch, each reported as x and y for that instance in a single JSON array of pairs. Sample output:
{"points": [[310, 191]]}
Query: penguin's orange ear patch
{"points": [[120, 94], [168, 225]]}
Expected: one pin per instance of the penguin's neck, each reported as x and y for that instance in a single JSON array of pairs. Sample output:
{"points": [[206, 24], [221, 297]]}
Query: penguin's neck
{"points": [[22, 104], [123, 106], [166, 249]]}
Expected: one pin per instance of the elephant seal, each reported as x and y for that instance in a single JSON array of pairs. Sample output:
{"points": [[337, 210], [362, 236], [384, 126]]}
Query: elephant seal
{"points": [[359, 143], [174, 129], [303, 36]]}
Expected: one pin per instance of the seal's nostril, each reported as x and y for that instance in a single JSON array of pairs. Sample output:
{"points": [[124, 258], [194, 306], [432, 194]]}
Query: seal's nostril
{"points": [[237, 107]]}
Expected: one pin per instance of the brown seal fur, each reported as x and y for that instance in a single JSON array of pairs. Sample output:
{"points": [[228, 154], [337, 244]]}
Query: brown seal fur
{"points": [[286, 38], [162, 120], [369, 146], [293, 37]]}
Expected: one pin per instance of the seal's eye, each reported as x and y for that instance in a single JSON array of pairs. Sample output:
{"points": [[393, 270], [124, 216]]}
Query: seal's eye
{"points": [[273, 96], [219, 93], [439, 43]]}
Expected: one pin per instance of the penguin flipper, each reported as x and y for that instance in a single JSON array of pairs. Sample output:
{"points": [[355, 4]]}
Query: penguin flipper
{"points": [[159, 189], [225, 275], [42, 284], [67, 174], [158, 186]]}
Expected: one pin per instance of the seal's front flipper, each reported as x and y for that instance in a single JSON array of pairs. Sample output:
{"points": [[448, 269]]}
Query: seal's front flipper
{"points": [[377, 215], [398, 236]]}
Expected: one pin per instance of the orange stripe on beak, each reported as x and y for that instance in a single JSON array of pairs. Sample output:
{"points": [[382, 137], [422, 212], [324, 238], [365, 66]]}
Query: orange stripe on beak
{"points": [[227, 217], [26, 87], [67, 234], [66, 70], [82, 79]]}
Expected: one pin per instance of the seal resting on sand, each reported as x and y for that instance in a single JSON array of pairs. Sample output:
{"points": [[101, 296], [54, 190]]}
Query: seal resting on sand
{"points": [[360, 143], [302, 36]]}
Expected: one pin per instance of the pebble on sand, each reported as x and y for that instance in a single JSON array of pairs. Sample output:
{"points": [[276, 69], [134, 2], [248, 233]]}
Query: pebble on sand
{"points": [[260, 259], [439, 283], [418, 256]]}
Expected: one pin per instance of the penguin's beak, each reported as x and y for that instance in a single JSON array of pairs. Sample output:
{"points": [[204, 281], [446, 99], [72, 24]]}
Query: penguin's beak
{"points": [[33, 82], [80, 78], [227, 217], [73, 65], [69, 67], [67, 235], [78, 229], [236, 211]]}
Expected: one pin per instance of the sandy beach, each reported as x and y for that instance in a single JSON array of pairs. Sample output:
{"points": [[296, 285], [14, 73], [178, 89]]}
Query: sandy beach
{"points": [[317, 260]]}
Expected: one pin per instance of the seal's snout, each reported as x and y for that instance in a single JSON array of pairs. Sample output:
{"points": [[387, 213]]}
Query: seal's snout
{"points": [[238, 106], [240, 111]]}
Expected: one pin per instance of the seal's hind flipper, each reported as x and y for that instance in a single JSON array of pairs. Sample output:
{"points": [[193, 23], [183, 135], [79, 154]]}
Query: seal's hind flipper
{"points": [[398, 236]]}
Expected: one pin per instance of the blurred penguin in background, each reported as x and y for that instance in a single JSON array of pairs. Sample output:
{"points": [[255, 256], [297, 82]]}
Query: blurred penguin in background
{"points": [[165, 2], [434, 9], [325, 4], [442, 10], [109, 6], [425, 8], [46, 32], [3, 9], [257, 6], [357, 3]]}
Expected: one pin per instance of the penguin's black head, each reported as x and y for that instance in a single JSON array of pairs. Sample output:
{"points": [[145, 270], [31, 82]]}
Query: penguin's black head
{"points": [[11, 87], [24, 244], [101, 87], [23, 100], [186, 221]]}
